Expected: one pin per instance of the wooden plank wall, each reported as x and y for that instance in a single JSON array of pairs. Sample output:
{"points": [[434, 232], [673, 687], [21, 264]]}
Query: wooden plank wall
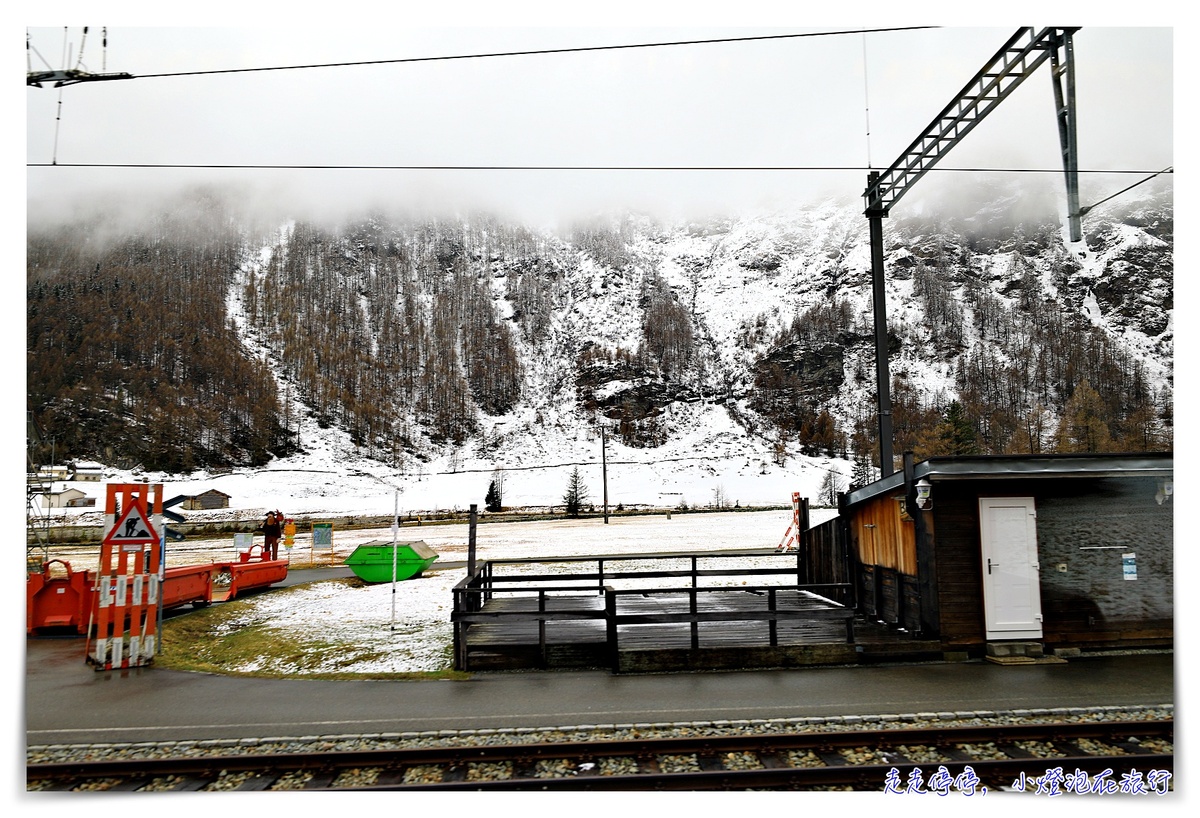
{"points": [[888, 576], [825, 558], [880, 537], [958, 583]]}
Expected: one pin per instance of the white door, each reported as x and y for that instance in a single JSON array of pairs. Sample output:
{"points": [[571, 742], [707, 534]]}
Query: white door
{"points": [[1012, 600]]}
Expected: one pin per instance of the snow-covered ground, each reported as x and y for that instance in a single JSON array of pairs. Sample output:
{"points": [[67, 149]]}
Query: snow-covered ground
{"points": [[386, 628], [710, 466], [707, 460], [308, 487], [405, 626]]}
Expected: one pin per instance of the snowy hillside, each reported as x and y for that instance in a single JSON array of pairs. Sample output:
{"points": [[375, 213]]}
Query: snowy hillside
{"points": [[665, 340], [332, 479]]}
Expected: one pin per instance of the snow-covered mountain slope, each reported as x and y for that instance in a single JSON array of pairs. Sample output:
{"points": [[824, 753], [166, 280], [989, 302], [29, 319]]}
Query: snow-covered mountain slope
{"points": [[651, 347]]}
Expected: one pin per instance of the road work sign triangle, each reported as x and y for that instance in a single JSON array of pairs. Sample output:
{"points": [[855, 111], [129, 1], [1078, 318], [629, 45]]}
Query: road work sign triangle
{"points": [[133, 528]]}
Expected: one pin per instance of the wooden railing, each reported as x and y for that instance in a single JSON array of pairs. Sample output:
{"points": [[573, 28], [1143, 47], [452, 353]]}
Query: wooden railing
{"points": [[770, 613], [531, 595]]}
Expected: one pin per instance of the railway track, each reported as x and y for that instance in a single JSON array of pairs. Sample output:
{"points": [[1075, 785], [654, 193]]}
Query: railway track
{"points": [[1099, 757]]}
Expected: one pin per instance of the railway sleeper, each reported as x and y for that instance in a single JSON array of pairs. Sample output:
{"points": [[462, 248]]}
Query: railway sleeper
{"points": [[1013, 751]]}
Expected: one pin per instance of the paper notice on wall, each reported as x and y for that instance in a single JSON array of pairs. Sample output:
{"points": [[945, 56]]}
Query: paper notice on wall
{"points": [[1129, 566]]}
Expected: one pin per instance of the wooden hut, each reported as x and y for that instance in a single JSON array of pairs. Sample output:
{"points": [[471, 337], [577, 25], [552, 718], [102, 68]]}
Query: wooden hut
{"points": [[1010, 555], [210, 499]]}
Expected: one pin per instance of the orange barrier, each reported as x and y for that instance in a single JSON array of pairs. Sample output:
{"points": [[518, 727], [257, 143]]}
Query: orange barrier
{"points": [[59, 603], [126, 611], [247, 574], [188, 583]]}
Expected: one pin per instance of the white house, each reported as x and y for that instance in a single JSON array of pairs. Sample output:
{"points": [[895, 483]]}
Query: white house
{"points": [[68, 498], [86, 471], [54, 472]]}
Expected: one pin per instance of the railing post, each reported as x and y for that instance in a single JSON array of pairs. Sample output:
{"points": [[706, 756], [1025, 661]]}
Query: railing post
{"points": [[600, 572], [542, 629], [695, 624], [458, 631], [610, 626], [773, 628], [803, 558]]}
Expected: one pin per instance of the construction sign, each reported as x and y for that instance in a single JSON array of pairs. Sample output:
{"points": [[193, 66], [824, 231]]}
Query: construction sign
{"points": [[123, 624], [133, 528]]}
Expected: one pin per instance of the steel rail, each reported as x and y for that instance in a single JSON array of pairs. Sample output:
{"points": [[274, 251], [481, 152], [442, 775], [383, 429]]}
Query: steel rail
{"points": [[198, 772]]}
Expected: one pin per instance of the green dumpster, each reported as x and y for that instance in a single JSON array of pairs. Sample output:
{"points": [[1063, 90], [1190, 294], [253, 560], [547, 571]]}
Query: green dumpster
{"points": [[372, 562]]}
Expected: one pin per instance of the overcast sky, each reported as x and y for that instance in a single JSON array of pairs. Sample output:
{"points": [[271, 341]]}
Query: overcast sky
{"points": [[849, 101]]}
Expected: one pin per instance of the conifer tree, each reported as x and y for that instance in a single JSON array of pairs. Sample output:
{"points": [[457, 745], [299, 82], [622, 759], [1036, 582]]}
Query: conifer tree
{"points": [[1083, 428], [576, 494], [492, 502], [957, 435], [864, 472]]}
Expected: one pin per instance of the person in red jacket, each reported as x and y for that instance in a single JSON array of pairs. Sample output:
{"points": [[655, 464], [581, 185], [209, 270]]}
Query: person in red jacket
{"points": [[272, 529]]}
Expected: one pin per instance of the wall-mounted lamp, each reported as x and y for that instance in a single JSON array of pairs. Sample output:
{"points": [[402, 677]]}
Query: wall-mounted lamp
{"points": [[923, 489]]}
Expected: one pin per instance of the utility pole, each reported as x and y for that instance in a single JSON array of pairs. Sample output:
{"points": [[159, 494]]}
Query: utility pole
{"points": [[604, 470], [472, 522], [883, 378]]}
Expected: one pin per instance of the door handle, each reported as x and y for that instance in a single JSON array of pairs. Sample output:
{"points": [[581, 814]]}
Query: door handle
{"points": [[992, 565]]}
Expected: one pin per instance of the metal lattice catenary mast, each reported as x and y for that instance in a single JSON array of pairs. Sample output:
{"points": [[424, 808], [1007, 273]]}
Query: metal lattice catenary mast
{"points": [[1024, 52]]}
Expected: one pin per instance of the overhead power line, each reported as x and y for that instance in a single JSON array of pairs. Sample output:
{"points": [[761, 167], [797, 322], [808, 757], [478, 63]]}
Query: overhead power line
{"points": [[82, 76], [1083, 210], [537, 52], [620, 168]]}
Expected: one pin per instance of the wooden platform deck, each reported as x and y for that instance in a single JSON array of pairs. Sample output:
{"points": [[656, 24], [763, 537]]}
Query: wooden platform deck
{"points": [[588, 620]]}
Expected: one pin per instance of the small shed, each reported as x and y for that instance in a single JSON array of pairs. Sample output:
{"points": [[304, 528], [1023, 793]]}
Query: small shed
{"points": [[213, 498], [1062, 552]]}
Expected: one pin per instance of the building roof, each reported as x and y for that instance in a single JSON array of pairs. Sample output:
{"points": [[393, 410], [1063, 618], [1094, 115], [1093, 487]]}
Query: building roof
{"points": [[1024, 466], [66, 490]]}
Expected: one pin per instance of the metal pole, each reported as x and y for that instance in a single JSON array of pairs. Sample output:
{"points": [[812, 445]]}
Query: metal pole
{"points": [[471, 541], [395, 536], [162, 574], [882, 377], [604, 471], [1063, 68]]}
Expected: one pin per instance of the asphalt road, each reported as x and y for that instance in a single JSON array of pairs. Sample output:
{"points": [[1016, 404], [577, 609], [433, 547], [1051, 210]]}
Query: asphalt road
{"points": [[68, 701]]}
